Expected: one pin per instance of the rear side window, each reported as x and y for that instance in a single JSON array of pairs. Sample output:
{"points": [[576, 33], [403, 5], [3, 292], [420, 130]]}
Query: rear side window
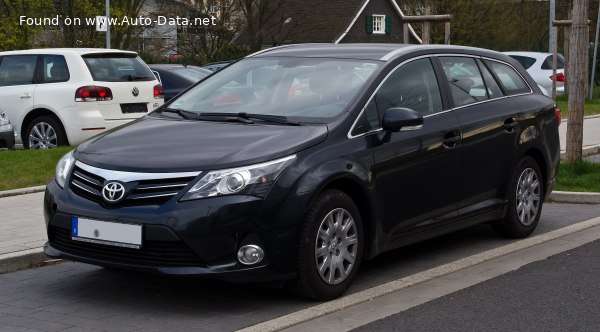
{"points": [[55, 69], [413, 86], [525, 61], [560, 62], [117, 68], [493, 89], [511, 80], [17, 69], [464, 78]]}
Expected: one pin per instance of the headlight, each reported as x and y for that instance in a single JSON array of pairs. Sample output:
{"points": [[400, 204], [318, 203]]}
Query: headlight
{"points": [[253, 180], [63, 168], [3, 119]]}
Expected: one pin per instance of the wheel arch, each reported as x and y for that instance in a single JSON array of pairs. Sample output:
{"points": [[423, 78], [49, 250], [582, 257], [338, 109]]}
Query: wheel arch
{"points": [[539, 158], [35, 113]]}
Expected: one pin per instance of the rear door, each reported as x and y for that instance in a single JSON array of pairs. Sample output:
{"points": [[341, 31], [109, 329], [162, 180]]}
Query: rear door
{"points": [[17, 87], [130, 80], [418, 172], [490, 123]]}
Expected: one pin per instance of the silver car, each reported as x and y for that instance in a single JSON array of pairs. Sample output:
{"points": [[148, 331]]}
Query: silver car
{"points": [[539, 66], [7, 133]]}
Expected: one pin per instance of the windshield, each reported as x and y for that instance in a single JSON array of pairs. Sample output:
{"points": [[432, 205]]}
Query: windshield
{"points": [[291, 87], [193, 74]]}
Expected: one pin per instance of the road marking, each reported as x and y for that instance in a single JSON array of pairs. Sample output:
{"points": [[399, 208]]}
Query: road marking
{"points": [[369, 294]]}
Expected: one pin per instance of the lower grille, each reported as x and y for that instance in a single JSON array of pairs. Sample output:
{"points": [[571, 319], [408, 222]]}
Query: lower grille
{"points": [[152, 253]]}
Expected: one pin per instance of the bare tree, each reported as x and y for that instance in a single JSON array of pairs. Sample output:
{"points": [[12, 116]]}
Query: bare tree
{"points": [[578, 54]]}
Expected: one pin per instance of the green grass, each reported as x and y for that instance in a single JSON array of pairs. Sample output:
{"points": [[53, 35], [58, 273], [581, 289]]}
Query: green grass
{"points": [[591, 107], [27, 168], [581, 177]]}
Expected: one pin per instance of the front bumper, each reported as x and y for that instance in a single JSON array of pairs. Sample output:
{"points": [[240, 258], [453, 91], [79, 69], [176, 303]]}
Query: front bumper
{"points": [[7, 137], [199, 237]]}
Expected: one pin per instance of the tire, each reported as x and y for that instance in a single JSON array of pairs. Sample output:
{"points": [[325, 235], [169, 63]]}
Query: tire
{"points": [[343, 246], [525, 200], [44, 132]]}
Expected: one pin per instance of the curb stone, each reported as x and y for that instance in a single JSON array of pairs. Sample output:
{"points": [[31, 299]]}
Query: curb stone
{"points": [[574, 197], [22, 191], [25, 259]]}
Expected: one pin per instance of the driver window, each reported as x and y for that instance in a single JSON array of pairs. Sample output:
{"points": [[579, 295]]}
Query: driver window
{"points": [[414, 86]]}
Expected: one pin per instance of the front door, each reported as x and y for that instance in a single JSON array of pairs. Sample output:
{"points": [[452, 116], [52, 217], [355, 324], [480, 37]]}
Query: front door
{"points": [[17, 87], [418, 172]]}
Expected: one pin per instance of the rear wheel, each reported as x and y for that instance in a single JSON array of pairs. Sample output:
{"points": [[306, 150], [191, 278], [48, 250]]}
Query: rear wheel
{"points": [[44, 132], [331, 247], [525, 201]]}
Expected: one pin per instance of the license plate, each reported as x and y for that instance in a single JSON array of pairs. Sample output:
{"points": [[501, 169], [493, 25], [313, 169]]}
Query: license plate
{"points": [[134, 108], [104, 232]]}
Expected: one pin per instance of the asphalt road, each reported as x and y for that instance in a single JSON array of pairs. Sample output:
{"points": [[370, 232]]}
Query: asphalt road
{"points": [[74, 296], [561, 293]]}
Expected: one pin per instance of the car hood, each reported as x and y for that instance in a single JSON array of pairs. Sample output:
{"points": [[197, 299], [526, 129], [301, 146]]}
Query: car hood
{"points": [[161, 145]]}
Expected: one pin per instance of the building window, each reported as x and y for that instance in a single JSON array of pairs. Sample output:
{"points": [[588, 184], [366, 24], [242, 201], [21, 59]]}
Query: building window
{"points": [[379, 24]]}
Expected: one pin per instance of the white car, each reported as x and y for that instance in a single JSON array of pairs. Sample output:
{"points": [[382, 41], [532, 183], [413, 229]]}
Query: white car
{"points": [[65, 96], [539, 66]]}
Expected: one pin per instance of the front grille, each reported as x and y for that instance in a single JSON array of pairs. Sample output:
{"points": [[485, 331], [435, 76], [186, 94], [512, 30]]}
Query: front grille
{"points": [[142, 192], [152, 253]]}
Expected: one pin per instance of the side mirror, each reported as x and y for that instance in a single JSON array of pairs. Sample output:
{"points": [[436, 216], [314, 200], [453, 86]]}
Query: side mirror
{"points": [[399, 119]]}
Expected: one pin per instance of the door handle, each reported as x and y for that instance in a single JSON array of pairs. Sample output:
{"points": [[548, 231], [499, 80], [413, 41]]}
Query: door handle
{"points": [[25, 95], [510, 125], [451, 139]]}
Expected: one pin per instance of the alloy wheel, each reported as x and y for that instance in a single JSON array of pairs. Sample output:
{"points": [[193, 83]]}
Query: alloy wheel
{"points": [[336, 246], [528, 196], [42, 136]]}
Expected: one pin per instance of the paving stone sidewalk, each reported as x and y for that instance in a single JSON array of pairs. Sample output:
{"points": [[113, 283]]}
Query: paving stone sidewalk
{"points": [[21, 223]]}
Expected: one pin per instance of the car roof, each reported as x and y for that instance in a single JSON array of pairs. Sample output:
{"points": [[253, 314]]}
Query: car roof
{"points": [[80, 51], [381, 52]]}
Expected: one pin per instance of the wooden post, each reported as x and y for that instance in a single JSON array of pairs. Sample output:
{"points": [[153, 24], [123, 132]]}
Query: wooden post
{"points": [[577, 80], [427, 20], [426, 38], [447, 33]]}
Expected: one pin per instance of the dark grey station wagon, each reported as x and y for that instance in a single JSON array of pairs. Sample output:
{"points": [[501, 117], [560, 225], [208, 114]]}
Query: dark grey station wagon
{"points": [[301, 161]]}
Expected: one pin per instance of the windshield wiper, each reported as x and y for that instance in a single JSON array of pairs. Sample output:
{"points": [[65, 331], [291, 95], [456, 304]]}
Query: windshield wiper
{"points": [[263, 117], [224, 117]]}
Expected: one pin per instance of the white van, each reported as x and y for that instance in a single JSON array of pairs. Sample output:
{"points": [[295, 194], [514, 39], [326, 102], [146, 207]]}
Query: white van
{"points": [[65, 96]]}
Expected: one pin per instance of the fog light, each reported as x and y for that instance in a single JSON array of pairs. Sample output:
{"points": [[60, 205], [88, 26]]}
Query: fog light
{"points": [[250, 254]]}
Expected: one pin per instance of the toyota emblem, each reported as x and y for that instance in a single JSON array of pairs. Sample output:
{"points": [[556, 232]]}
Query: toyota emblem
{"points": [[135, 91], [113, 192]]}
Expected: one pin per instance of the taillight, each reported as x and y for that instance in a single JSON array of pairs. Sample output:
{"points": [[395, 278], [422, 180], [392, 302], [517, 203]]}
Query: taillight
{"points": [[93, 93], [558, 115], [560, 77], [159, 92]]}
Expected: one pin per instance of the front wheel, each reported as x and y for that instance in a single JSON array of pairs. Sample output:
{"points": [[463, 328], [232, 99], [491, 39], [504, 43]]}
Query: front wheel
{"points": [[331, 247], [525, 200]]}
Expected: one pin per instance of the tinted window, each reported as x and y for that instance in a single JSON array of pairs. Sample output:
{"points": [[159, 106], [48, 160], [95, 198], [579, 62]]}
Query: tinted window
{"points": [[413, 86], [525, 61], [464, 78], [513, 82], [192, 74], [492, 87], [117, 68], [55, 69], [560, 62], [17, 69]]}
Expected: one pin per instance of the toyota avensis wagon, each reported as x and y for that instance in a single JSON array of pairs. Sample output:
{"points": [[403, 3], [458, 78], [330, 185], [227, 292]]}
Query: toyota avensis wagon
{"points": [[300, 161]]}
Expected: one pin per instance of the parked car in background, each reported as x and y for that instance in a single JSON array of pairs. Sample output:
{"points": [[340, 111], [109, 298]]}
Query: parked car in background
{"points": [[539, 66], [216, 66], [176, 78], [7, 133], [65, 96], [298, 162]]}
